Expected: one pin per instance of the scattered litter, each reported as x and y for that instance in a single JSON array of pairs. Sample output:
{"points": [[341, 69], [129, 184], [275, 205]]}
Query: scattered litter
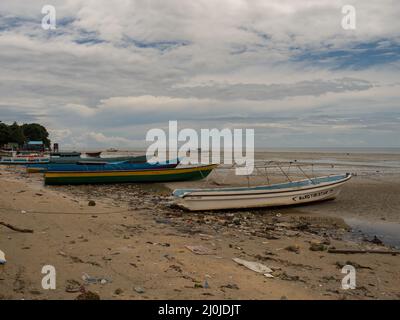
{"points": [[72, 286], [118, 291], [285, 276], [2, 257], [139, 289], [206, 285], [203, 235], [14, 228], [230, 286], [318, 247], [356, 265], [199, 250], [293, 248], [376, 240], [88, 295], [354, 251], [160, 244], [62, 253], [95, 280], [255, 266], [23, 211]]}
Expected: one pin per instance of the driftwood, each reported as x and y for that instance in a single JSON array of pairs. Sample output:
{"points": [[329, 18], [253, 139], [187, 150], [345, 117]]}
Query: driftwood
{"points": [[351, 251], [15, 228]]}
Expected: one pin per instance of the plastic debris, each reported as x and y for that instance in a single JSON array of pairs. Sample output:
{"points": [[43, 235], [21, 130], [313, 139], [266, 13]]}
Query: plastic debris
{"points": [[2, 257], [139, 290], [255, 266], [199, 250], [73, 286], [94, 280], [88, 295]]}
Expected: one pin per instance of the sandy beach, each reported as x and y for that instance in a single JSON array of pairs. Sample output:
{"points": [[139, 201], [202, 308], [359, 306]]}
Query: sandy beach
{"points": [[132, 244]]}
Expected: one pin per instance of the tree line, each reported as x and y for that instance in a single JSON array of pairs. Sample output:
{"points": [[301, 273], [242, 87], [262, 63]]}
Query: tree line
{"points": [[21, 134]]}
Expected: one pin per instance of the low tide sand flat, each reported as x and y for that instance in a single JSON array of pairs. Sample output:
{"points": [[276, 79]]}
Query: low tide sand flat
{"points": [[149, 238], [135, 238]]}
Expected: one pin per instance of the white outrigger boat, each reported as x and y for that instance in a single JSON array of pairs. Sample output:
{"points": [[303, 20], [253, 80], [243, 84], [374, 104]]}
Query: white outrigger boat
{"points": [[280, 194]]}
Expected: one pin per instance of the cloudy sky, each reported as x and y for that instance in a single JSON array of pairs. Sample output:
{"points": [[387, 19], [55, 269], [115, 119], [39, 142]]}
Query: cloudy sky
{"points": [[114, 69]]}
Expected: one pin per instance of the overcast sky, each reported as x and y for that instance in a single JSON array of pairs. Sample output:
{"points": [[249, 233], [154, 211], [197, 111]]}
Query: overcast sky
{"points": [[114, 69]]}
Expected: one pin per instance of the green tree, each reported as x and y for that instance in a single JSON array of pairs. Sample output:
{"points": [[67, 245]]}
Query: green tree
{"points": [[17, 134], [4, 134], [35, 131]]}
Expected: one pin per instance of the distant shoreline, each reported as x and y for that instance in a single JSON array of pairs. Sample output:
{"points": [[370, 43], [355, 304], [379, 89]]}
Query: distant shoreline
{"points": [[358, 150]]}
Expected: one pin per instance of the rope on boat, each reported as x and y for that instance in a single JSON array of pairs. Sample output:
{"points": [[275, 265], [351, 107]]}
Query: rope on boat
{"points": [[274, 164]]}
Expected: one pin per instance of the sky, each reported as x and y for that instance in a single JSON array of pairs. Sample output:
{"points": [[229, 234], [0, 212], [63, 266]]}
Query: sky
{"points": [[112, 70]]}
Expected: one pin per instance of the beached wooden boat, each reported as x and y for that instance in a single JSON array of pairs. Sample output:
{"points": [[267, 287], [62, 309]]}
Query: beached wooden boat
{"points": [[98, 166], [74, 160], [24, 160], [281, 194], [123, 176]]}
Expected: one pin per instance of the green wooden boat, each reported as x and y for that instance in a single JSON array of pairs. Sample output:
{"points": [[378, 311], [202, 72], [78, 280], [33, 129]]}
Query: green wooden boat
{"points": [[124, 176]]}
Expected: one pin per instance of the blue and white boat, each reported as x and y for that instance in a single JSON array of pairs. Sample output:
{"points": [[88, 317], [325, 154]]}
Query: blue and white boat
{"points": [[280, 194], [96, 166], [24, 160]]}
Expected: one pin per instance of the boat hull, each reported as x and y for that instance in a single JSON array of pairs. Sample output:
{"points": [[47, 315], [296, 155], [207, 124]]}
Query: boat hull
{"points": [[72, 160], [24, 161], [219, 200], [98, 167], [126, 176]]}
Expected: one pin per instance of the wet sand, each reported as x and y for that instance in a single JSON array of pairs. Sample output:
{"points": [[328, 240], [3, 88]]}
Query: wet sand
{"points": [[136, 242]]}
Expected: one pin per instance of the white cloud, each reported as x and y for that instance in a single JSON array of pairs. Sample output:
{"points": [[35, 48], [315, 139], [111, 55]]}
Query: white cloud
{"points": [[113, 66]]}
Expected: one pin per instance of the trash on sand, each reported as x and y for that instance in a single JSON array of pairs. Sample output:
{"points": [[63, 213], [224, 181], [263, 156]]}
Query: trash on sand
{"points": [[2, 257], [293, 248], [88, 295], [139, 289], [72, 286], [90, 279], [255, 266], [199, 250], [14, 228], [354, 251], [230, 286], [318, 247]]}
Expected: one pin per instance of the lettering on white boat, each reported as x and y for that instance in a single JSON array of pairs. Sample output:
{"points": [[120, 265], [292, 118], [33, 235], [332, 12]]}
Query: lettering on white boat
{"points": [[312, 195]]}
